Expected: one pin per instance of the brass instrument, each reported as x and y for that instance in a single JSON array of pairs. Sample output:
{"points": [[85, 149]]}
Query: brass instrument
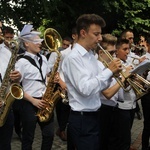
{"points": [[133, 61], [64, 96], [118, 79], [139, 85], [8, 96], [52, 94], [138, 49]]}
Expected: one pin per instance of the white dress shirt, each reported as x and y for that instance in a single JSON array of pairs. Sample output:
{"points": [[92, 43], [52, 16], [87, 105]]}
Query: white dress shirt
{"points": [[30, 74], [84, 79], [113, 100], [5, 55], [147, 55], [53, 57], [129, 97]]}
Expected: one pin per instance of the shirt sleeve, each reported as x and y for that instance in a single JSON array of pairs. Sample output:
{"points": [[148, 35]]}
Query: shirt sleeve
{"points": [[19, 66], [52, 59]]}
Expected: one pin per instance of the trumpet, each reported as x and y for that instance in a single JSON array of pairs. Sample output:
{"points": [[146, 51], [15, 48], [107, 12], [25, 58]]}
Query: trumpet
{"points": [[118, 79], [139, 85], [138, 49], [135, 63]]}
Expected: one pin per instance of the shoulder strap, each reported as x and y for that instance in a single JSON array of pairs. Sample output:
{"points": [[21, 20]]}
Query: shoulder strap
{"points": [[30, 60], [48, 55], [34, 64]]}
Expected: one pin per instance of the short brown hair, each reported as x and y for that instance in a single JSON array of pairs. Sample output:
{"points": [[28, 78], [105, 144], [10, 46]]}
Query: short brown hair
{"points": [[84, 21], [8, 30]]}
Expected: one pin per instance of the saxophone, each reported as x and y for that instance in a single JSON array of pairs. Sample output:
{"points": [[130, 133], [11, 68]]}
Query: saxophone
{"points": [[8, 96], [52, 93]]}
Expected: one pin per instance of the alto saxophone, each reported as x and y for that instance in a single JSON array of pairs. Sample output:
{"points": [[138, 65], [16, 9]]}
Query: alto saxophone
{"points": [[8, 96], [51, 95]]}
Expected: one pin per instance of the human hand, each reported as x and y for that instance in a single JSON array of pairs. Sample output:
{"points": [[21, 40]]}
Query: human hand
{"points": [[56, 78], [40, 104], [115, 66], [142, 59], [127, 71], [15, 76]]}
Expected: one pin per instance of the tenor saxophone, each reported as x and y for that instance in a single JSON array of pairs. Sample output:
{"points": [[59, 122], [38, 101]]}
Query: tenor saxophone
{"points": [[51, 95], [9, 95]]}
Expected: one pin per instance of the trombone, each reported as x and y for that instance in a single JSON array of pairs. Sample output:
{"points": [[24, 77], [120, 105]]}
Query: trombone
{"points": [[139, 85]]}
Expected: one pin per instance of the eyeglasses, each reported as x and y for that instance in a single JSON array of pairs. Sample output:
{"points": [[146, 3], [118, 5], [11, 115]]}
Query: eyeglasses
{"points": [[112, 52], [9, 38]]}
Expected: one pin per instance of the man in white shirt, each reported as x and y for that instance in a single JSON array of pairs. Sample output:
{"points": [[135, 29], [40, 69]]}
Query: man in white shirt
{"points": [[109, 97], [62, 109], [6, 130], [129, 35], [126, 109], [146, 106], [84, 80]]}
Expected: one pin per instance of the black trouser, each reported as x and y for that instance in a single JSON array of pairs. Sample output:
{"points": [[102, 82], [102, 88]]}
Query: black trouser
{"points": [[145, 101], [29, 120], [137, 109], [62, 112], [6, 132], [124, 125], [17, 119], [108, 127], [84, 130]]}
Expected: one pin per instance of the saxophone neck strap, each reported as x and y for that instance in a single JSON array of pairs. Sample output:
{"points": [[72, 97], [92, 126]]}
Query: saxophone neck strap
{"points": [[32, 61]]}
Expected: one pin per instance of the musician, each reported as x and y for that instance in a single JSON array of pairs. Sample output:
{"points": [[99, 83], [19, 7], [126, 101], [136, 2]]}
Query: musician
{"points": [[126, 109], [6, 130], [33, 68], [109, 96], [146, 107], [129, 35], [84, 80], [67, 41], [62, 109]]}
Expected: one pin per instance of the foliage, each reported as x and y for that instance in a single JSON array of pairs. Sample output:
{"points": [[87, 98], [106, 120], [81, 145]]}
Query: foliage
{"points": [[62, 14]]}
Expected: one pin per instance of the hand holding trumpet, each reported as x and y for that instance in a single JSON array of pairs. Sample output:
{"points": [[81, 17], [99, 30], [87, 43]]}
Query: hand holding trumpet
{"points": [[115, 66]]}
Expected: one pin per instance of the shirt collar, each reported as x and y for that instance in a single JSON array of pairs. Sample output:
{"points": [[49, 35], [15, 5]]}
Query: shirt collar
{"points": [[3, 45], [33, 56], [82, 50]]}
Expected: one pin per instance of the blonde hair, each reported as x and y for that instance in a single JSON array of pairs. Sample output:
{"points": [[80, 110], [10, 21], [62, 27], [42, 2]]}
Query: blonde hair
{"points": [[108, 39]]}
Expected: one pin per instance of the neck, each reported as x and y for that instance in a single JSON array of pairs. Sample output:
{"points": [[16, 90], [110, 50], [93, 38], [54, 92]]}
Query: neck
{"points": [[83, 44]]}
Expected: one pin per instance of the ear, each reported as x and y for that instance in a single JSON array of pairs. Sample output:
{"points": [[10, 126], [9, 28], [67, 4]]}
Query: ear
{"points": [[83, 33], [26, 44], [116, 52]]}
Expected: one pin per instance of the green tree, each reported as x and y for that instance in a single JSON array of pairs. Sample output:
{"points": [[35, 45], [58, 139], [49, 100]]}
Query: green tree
{"points": [[62, 14]]}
